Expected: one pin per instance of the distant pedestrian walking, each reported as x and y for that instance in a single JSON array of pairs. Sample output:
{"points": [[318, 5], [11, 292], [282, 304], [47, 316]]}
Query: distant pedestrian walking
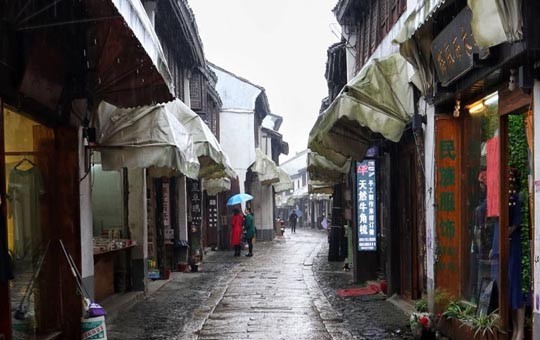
{"points": [[249, 227], [236, 231], [292, 221]]}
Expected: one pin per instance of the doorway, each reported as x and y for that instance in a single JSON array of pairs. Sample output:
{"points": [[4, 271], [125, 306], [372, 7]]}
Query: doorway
{"points": [[407, 222]]}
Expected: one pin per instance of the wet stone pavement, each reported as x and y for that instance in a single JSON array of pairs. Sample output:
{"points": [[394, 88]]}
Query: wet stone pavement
{"points": [[286, 291]]}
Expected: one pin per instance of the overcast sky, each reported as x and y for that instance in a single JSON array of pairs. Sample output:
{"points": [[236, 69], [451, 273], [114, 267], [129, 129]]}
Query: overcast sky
{"points": [[278, 44]]}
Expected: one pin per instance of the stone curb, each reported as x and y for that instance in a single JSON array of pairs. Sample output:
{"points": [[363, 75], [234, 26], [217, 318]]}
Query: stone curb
{"points": [[332, 320]]}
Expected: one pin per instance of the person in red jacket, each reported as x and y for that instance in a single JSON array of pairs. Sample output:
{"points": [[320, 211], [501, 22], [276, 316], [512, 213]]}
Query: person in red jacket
{"points": [[236, 231]]}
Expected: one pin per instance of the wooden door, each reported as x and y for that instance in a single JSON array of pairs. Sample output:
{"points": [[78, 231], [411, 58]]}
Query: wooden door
{"points": [[408, 222]]}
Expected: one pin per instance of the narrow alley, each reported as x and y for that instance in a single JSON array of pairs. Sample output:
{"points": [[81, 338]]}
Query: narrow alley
{"points": [[277, 294]]}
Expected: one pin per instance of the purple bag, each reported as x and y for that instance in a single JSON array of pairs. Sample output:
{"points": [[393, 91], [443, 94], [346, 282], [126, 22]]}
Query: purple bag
{"points": [[96, 310]]}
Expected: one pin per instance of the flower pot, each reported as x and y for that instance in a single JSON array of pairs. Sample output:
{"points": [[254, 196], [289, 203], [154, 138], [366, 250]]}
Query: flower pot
{"points": [[456, 329], [181, 267]]}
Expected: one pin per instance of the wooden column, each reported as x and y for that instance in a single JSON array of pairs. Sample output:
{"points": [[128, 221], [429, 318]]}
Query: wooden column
{"points": [[5, 311]]}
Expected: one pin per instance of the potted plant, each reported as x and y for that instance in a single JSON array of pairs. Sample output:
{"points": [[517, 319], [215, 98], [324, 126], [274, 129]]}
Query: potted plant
{"points": [[423, 325], [454, 318], [486, 326], [421, 322]]}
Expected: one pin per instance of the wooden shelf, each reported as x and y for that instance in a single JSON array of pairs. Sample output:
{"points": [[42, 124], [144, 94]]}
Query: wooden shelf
{"points": [[114, 250]]}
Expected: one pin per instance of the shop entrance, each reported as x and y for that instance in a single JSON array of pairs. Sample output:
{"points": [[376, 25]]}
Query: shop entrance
{"points": [[28, 175], [41, 207]]}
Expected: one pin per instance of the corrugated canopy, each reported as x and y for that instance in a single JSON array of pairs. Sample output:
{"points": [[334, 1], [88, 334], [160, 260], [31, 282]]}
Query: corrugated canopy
{"points": [[377, 103], [265, 168], [144, 137], [126, 61], [419, 15], [285, 183], [214, 162]]}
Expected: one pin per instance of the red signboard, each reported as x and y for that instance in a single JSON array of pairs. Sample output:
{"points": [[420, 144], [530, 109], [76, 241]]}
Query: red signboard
{"points": [[448, 207]]}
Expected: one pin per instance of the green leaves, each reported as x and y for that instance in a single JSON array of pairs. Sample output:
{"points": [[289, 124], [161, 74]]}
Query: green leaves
{"points": [[518, 157]]}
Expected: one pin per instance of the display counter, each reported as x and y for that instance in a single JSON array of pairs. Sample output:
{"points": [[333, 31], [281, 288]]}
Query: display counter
{"points": [[104, 265]]}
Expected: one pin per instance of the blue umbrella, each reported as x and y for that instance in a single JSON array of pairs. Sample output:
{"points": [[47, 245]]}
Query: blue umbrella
{"points": [[239, 198]]}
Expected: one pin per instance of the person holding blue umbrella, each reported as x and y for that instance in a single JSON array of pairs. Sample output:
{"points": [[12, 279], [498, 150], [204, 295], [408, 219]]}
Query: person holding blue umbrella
{"points": [[239, 198]]}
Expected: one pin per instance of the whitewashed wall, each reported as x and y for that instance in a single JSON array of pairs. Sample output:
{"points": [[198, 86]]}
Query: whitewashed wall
{"points": [[87, 231], [429, 166], [237, 138]]}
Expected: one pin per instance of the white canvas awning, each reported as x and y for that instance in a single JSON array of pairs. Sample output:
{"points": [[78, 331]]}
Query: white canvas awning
{"points": [[144, 137], [300, 193], [320, 187], [214, 186], [321, 170], [285, 183], [496, 21], [377, 103], [266, 169], [214, 162]]}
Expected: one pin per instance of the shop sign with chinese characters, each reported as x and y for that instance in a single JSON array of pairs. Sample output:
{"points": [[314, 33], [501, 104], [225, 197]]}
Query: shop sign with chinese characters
{"points": [[448, 205], [212, 212], [454, 48], [166, 208], [366, 205]]}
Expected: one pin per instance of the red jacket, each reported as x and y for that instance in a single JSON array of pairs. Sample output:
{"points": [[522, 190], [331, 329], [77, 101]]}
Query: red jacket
{"points": [[236, 230]]}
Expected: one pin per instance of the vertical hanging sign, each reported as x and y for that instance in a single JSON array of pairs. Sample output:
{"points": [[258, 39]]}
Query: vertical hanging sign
{"points": [[447, 204], [212, 212], [166, 207], [366, 205]]}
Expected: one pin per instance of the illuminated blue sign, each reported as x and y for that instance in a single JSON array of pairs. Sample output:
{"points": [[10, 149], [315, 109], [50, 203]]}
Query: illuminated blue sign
{"points": [[366, 205]]}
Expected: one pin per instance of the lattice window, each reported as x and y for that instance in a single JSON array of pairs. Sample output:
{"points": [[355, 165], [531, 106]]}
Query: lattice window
{"points": [[402, 6], [374, 26], [195, 89], [394, 12], [365, 34], [359, 46], [383, 18]]}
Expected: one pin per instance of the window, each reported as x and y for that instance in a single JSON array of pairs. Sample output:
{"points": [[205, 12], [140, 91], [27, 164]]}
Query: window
{"points": [[374, 16], [394, 11], [365, 34], [481, 168], [108, 202], [383, 18]]}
